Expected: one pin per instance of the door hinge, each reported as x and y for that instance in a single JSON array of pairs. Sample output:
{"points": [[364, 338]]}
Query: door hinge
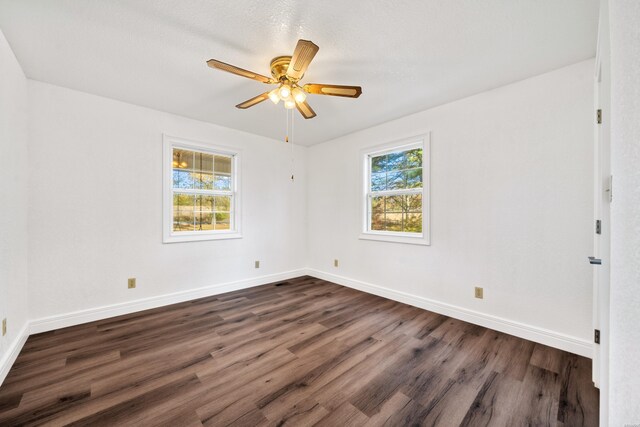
{"points": [[598, 226], [599, 116], [596, 336]]}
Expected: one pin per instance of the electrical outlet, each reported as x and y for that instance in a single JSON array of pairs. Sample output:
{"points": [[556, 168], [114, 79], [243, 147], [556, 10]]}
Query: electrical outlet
{"points": [[479, 293], [257, 264], [131, 282], [335, 262], [4, 327]]}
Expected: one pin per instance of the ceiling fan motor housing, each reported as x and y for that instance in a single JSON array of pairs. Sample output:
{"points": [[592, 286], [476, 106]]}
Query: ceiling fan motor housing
{"points": [[279, 67]]}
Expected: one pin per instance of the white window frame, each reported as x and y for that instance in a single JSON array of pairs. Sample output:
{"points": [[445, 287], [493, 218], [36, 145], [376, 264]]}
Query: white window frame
{"points": [[168, 235], [423, 238]]}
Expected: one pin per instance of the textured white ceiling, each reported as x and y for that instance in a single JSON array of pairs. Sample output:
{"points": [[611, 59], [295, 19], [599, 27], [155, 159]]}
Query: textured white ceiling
{"points": [[407, 55]]}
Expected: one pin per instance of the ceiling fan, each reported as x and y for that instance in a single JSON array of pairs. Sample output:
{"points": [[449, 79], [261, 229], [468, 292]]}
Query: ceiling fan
{"points": [[287, 71]]}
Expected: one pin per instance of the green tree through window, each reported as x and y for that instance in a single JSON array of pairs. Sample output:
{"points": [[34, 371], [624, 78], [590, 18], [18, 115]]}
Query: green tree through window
{"points": [[395, 191]]}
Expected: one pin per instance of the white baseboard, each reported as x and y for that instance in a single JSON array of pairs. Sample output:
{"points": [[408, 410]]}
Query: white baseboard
{"points": [[98, 313], [10, 356], [533, 333]]}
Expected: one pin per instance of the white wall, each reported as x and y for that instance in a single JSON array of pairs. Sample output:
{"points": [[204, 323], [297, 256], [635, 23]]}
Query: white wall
{"points": [[13, 196], [624, 378], [95, 205], [511, 208]]}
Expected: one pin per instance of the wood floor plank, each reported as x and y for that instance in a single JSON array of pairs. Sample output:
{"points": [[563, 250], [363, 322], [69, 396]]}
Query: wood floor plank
{"points": [[10, 401], [515, 357], [411, 414], [347, 385], [390, 407], [304, 413], [538, 398], [299, 352], [547, 358], [494, 402], [325, 382], [247, 391], [371, 396], [345, 415], [578, 405]]}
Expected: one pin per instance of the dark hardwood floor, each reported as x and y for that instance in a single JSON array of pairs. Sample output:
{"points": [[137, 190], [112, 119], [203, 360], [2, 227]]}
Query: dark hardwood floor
{"points": [[299, 352]]}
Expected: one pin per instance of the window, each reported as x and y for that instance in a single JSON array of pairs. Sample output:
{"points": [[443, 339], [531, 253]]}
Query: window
{"points": [[200, 192], [395, 196]]}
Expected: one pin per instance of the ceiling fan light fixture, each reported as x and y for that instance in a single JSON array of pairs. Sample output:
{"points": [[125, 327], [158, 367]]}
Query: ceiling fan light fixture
{"points": [[298, 94], [179, 164], [289, 104], [273, 96], [284, 91]]}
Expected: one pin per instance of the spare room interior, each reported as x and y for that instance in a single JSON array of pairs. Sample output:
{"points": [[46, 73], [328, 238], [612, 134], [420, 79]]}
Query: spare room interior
{"points": [[337, 213]]}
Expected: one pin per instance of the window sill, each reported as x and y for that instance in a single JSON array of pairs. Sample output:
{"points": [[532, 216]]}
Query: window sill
{"points": [[384, 237], [198, 237]]}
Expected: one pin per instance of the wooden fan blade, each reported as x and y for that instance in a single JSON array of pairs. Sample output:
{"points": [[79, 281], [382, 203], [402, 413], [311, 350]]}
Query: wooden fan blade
{"points": [[305, 109], [333, 90], [253, 101], [213, 63], [302, 57]]}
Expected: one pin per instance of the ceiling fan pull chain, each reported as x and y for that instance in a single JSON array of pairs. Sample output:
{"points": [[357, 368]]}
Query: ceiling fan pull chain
{"points": [[292, 158], [286, 132]]}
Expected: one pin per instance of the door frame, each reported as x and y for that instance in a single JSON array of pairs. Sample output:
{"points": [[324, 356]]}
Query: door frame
{"points": [[602, 242]]}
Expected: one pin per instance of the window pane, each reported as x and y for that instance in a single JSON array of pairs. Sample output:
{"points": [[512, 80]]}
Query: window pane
{"points": [[204, 212], [182, 159], [378, 181], [183, 200], [205, 203], [395, 161], [182, 168], [397, 176], [203, 162], [222, 182], [377, 204], [204, 221], [223, 221], [394, 203], [202, 173], [194, 170], [413, 178], [413, 159], [223, 164], [393, 222], [376, 210], [222, 203], [183, 209], [379, 163], [402, 213], [395, 180], [414, 203], [182, 179], [377, 221], [201, 212], [203, 181], [413, 222], [182, 220]]}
